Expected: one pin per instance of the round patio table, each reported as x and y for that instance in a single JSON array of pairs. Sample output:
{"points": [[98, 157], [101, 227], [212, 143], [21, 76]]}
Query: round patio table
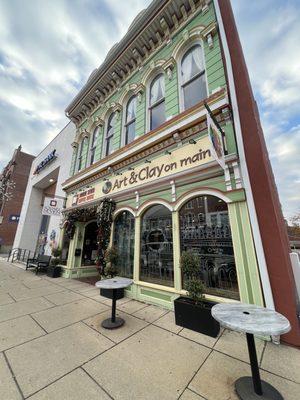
{"points": [[252, 320], [113, 284]]}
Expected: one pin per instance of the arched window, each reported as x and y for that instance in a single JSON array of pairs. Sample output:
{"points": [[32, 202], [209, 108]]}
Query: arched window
{"points": [[156, 263], [94, 145], [157, 102], [110, 134], [90, 246], [130, 120], [193, 81], [124, 243], [207, 233], [80, 154]]}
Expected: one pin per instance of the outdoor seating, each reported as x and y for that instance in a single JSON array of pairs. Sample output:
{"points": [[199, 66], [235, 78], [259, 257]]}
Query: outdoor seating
{"points": [[41, 262]]}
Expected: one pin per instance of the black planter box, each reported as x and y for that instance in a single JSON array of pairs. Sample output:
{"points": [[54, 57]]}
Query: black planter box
{"points": [[108, 293], [53, 271], [196, 317]]}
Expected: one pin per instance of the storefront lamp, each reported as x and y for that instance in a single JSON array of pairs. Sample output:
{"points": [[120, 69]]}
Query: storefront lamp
{"points": [[192, 141]]}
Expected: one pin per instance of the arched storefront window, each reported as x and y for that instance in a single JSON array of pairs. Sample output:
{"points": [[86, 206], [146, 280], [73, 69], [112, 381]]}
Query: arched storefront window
{"points": [[124, 243], [156, 263], [89, 251], [205, 230], [193, 77], [94, 145], [157, 102]]}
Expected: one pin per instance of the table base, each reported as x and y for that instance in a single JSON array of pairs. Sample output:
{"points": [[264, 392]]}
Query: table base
{"points": [[245, 390], [109, 324]]}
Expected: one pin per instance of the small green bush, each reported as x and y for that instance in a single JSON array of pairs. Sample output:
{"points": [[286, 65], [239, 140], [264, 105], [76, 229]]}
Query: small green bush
{"points": [[190, 264]]}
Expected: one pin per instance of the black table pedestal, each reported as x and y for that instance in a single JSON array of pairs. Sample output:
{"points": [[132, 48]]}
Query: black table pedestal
{"points": [[113, 322], [253, 388]]}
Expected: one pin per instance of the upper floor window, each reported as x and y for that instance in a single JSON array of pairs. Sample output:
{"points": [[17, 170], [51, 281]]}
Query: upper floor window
{"points": [[80, 154], [193, 81], [157, 102], [110, 134], [130, 120], [94, 144]]}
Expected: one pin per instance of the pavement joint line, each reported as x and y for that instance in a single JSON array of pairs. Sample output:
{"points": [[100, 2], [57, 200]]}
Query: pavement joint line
{"points": [[189, 382], [97, 383], [94, 329], [39, 324], [192, 390], [11, 298], [44, 297], [13, 375]]}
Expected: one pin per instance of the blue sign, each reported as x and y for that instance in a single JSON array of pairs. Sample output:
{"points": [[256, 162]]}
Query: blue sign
{"points": [[51, 157], [14, 218]]}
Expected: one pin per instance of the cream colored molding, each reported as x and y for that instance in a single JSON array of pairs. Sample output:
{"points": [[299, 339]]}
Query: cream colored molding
{"points": [[173, 190], [227, 178], [169, 67], [188, 36], [208, 33], [202, 192], [237, 175], [154, 202], [137, 199], [122, 209]]}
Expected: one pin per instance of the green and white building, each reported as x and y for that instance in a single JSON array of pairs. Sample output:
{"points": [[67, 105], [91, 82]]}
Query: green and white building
{"points": [[142, 142]]}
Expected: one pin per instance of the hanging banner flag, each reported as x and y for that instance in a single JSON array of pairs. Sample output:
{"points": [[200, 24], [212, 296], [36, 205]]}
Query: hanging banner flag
{"points": [[52, 207], [215, 138]]}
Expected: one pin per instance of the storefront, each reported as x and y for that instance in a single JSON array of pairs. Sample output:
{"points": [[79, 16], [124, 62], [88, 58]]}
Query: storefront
{"points": [[39, 226], [142, 143]]}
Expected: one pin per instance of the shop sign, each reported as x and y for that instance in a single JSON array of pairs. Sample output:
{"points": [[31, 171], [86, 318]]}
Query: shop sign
{"points": [[181, 159], [83, 197], [14, 218], [51, 157], [52, 207]]}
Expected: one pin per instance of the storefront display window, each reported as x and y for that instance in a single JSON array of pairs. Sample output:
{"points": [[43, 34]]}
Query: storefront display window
{"points": [[89, 253], [156, 263], [207, 232], [124, 243]]}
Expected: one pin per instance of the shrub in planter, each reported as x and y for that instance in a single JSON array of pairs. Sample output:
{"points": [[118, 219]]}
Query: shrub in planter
{"points": [[54, 270], [194, 312], [110, 271]]}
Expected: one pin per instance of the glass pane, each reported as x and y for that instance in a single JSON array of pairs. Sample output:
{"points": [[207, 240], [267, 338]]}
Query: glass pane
{"points": [[158, 115], [95, 137], [130, 132], [131, 109], [156, 263], [109, 145], [124, 242], [157, 91], [111, 125], [192, 63], [93, 155], [194, 92], [206, 231]]}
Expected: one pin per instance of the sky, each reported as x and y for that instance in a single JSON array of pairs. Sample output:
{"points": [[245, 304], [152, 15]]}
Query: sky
{"points": [[48, 48]]}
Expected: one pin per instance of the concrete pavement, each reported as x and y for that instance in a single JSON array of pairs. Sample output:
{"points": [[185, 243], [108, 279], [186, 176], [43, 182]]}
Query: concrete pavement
{"points": [[52, 346]]}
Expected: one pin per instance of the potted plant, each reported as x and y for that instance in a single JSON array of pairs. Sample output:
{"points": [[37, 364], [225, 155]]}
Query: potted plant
{"points": [[194, 312], [54, 269], [110, 271]]}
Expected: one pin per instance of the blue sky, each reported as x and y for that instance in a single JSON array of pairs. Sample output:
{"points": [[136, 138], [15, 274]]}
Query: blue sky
{"points": [[49, 48]]}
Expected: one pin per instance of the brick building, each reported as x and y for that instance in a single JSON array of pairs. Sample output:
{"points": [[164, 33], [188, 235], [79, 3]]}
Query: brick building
{"points": [[13, 182]]}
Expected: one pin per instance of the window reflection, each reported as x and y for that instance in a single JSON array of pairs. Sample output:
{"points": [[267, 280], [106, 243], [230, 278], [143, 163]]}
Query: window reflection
{"points": [[205, 230], [130, 120], [157, 102], [156, 263], [110, 134], [124, 243]]}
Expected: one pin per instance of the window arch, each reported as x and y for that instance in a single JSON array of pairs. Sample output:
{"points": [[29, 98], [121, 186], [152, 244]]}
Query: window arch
{"points": [[124, 228], [130, 119], [193, 81], [80, 153], [207, 233], [156, 257], [94, 145], [157, 101], [110, 131]]}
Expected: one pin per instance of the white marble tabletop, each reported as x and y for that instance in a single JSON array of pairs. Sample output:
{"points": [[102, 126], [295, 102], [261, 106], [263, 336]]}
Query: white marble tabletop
{"points": [[114, 283], [249, 318]]}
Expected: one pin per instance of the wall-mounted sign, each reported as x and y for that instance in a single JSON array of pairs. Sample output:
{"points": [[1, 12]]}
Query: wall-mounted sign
{"points": [[179, 160], [51, 157], [52, 206], [14, 218], [183, 158]]}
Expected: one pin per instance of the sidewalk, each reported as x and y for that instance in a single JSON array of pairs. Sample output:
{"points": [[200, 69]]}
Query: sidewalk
{"points": [[53, 347]]}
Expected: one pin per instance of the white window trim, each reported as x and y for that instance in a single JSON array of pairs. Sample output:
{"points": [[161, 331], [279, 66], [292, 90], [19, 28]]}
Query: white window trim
{"points": [[90, 145], [104, 155], [182, 52], [124, 117], [150, 79]]}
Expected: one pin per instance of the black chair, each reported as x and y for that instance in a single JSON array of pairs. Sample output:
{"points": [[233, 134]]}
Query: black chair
{"points": [[41, 262]]}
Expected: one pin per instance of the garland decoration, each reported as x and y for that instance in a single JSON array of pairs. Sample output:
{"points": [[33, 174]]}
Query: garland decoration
{"points": [[104, 221]]}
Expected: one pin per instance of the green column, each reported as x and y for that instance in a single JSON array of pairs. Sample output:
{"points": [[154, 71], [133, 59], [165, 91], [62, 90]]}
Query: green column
{"points": [[73, 161], [140, 123]]}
